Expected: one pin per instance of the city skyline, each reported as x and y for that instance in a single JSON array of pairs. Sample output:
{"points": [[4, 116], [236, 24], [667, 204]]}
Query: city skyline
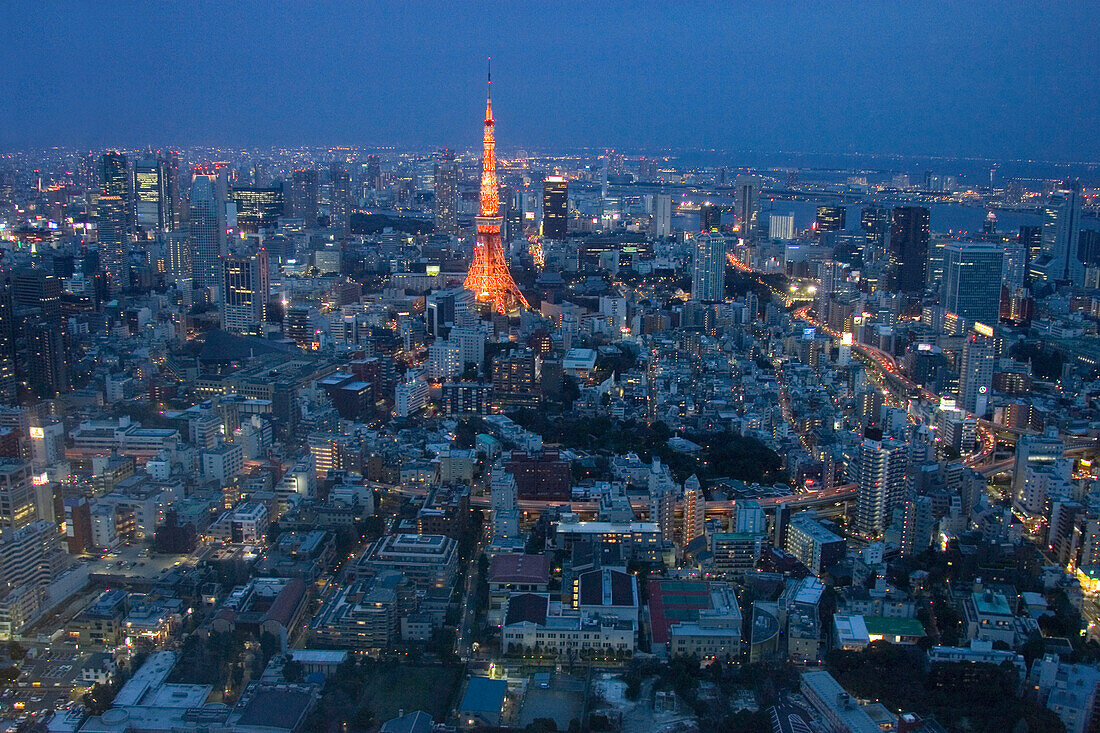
{"points": [[408, 433], [810, 80]]}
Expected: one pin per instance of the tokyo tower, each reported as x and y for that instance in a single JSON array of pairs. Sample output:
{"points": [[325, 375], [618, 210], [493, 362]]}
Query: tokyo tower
{"points": [[489, 277]]}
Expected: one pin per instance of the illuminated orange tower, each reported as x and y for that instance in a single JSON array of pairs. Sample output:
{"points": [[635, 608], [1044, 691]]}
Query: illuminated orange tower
{"points": [[489, 277]]}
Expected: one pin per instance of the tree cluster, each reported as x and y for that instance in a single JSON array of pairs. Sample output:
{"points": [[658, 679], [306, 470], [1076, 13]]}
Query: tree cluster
{"points": [[961, 695]]}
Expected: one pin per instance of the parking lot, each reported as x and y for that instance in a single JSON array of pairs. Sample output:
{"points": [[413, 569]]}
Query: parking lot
{"points": [[135, 561], [562, 701], [50, 681]]}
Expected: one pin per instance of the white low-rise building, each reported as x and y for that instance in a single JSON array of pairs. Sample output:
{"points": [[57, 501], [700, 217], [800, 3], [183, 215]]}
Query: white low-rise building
{"points": [[534, 622]]}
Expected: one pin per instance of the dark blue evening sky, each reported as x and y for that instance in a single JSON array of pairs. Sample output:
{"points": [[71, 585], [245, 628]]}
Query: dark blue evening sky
{"points": [[997, 79]]}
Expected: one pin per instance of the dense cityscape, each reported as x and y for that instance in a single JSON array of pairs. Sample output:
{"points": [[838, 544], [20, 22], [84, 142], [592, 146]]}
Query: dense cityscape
{"points": [[502, 438]]}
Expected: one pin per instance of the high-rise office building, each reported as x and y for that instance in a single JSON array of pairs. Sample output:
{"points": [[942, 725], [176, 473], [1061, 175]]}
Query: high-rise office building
{"points": [[972, 281], [1014, 270], [1031, 239], [882, 478], [373, 173], [171, 160], [152, 194], [781, 226], [708, 270], [833, 277], [1059, 260], [555, 207], [446, 309], [976, 374], [9, 385], [304, 195], [1088, 248], [1035, 451], [32, 287], [710, 218], [47, 362], [114, 175], [257, 208], [446, 196], [875, 223], [341, 205], [746, 191], [298, 327], [179, 257], [244, 293], [831, 218], [18, 506], [662, 216], [205, 232], [647, 170], [113, 218], [908, 270]]}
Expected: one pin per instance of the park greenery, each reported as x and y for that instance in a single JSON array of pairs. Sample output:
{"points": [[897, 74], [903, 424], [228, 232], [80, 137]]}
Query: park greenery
{"points": [[364, 693], [723, 454], [962, 696]]}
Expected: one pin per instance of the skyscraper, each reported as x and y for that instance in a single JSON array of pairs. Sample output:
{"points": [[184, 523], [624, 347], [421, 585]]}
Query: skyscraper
{"points": [[746, 191], [662, 216], [340, 209], [180, 264], [875, 223], [245, 292], [781, 226], [710, 218], [1088, 248], [1031, 238], [8, 382], [908, 269], [831, 218], [972, 281], [152, 194], [882, 477], [304, 195], [489, 276], [1059, 260], [1035, 451], [446, 195], [257, 208], [205, 237], [373, 175], [47, 363], [36, 288], [555, 207], [1014, 271], [976, 374], [113, 218], [17, 501], [171, 159], [708, 270]]}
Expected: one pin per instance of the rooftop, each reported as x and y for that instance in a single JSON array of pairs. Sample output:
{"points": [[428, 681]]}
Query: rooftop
{"points": [[829, 692], [274, 708], [519, 569], [991, 604], [608, 587], [527, 608]]}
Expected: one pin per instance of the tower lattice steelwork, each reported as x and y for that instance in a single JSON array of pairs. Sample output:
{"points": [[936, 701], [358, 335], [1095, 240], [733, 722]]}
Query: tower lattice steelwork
{"points": [[489, 277]]}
